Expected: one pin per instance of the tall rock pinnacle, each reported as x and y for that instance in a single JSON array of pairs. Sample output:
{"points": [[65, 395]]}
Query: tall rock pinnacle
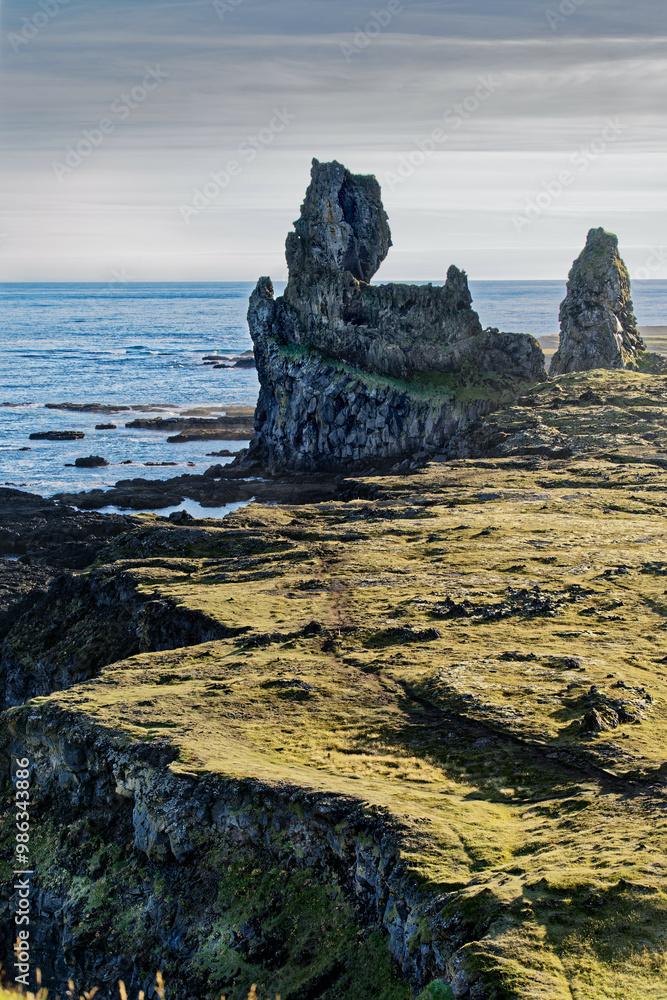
{"points": [[598, 328], [343, 225], [360, 375]]}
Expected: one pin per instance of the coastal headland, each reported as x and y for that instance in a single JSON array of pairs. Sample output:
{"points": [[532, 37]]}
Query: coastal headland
{"points": [[397, 728]]}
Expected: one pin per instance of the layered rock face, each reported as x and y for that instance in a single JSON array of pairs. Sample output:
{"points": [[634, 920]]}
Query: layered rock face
{"points": [[432, 367], [598, 328]]}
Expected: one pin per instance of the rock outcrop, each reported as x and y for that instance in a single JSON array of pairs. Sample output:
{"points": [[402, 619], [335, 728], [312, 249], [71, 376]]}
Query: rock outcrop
{"points": [[358, 374], [102, 617], [598, 328], [39, 532], [611, 412]]}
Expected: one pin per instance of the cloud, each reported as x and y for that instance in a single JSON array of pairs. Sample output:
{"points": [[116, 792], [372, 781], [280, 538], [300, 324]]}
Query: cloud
{"points": [[554, 90]]}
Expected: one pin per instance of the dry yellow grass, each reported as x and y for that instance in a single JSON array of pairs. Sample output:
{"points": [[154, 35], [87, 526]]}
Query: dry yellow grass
{"points": [[7, 993]]}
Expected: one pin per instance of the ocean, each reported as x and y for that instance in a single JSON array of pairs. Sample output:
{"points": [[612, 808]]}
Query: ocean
{"points": [[143, 345]]}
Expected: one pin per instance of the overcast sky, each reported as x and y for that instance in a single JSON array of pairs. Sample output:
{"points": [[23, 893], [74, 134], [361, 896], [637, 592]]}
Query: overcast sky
{"points": [[172, 139]]}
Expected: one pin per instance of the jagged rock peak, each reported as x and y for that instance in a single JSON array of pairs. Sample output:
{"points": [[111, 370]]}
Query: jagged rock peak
{"points": [[361, 375], [458, 291], [343, 225], [598, 328]]}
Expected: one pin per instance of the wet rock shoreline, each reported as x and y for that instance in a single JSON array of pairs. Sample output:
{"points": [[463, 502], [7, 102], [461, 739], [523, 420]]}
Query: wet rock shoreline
{"points": [[36, 530]]}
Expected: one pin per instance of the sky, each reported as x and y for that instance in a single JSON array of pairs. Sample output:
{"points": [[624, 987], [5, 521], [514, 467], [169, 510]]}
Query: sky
{"points": [[171, 140]]}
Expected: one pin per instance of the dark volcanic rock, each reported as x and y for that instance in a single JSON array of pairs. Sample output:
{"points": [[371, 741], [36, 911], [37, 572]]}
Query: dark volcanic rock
{"points": [[146, 494], [331, 349], [314, 418], [228, 358], [101, 617], [598, 328], [106, 427], [40, 532], [245, 360], [400, 330], [237, 427], [193, 423], [89, 407], [243, 433], [17, 580], [57, 436], [38, 540], [343, 226], [90, 462]]}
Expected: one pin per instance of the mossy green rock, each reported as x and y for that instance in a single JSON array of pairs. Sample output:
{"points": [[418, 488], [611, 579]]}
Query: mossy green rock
{"points": [[437, 991]]}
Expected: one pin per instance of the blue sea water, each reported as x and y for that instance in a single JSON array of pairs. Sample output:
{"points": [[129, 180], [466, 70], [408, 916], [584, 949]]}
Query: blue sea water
{"points": [[131, 345], [143, 345]]}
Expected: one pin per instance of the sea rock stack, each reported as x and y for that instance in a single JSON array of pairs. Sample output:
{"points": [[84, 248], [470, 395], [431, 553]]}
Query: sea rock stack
{"points": [[598, 328], [343, 227], [360, 375]]}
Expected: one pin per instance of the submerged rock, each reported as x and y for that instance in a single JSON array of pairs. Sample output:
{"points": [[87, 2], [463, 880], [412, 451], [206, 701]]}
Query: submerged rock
{"points": [[598, 328], [234, 427], [359, 374]]}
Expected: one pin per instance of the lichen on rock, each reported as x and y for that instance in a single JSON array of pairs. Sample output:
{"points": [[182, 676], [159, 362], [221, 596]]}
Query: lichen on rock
{"points": [[598, 328], [396, 360]]}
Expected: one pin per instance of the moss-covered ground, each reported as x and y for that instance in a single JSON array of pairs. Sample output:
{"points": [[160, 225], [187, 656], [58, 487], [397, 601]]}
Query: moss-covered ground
{"points": [[488, 663], [622, 413]]}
